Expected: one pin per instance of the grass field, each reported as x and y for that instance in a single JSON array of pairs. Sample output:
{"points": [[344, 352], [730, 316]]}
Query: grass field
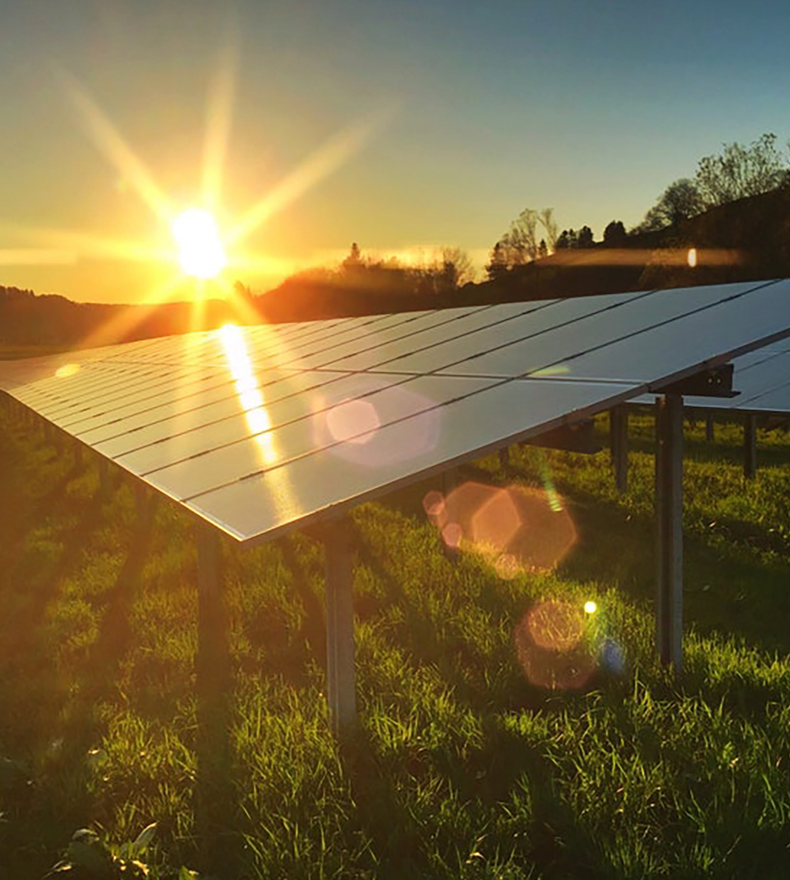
{"points": [[463, 766]]}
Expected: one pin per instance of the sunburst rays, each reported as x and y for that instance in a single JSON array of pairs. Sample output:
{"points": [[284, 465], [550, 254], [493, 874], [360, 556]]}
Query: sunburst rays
{"points": [[68, 246]]}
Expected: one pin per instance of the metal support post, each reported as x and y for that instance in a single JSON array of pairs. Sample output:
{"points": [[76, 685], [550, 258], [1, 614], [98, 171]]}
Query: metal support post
{"points": [[709, 437], [340, 672], [449, 484], [618, 438], [669, 521], [212, 685], [449, 480], [104, 476], [750, 446], [143, 504]]}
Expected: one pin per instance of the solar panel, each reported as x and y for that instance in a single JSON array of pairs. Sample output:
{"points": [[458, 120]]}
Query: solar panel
{"points": [[762, 379], [263, 429]]}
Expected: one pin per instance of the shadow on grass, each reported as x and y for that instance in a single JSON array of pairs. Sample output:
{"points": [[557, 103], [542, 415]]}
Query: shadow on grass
{"points": [[312, 633], [383, 788], [728, 589]]}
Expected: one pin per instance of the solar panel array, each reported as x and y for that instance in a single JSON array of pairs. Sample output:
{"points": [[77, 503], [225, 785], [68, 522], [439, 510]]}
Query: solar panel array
{"points": [[262, 429], [762, 379]]}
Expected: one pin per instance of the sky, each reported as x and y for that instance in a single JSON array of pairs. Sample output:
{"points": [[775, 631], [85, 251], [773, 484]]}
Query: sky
{"points": [[403, 126]]}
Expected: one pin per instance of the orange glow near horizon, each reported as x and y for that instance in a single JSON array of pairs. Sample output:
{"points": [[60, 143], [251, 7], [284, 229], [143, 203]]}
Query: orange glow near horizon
{"points": [[187, 244]]}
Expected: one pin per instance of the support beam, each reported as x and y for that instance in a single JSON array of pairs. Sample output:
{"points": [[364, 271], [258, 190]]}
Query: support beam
{"points": [[669, 521], [450, 480], [104, 476], [212, 798], [144, 504], [340, 672], [750, 446], [618, 439]]}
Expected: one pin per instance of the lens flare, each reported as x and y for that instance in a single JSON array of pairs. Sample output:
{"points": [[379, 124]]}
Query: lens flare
{"points": [[557, 626], [590, 607], [67, 370], [551, 646], [692, 257], [611, 657], [517, 528], [433, 503], [372, 423], [353, 421]]}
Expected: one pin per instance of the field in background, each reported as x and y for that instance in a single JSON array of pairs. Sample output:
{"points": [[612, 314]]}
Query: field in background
{"points": [[16, 352], [463, 767]]}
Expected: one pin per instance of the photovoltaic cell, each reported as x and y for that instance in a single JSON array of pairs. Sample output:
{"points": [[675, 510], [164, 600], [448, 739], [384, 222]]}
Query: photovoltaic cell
{"points": [[262, 429]]}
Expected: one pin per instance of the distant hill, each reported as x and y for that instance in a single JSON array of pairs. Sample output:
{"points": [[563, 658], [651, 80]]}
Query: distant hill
{"points": [[52, 320], [748, 239]]}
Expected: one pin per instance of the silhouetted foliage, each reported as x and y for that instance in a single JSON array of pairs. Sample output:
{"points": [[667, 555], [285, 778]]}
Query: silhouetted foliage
{"points": [[741, 171], [497, 264], [679, 201], [584, 239], [354, 258], [457, 268], [566, 239], [614, 235], [521, 244]]}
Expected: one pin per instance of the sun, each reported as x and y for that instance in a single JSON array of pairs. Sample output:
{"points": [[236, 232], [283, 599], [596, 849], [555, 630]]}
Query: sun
{"points": [[200, 250]]}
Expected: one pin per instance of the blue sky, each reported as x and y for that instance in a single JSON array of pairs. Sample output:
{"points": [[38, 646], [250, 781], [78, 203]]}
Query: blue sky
{"points": [[480, 110]]}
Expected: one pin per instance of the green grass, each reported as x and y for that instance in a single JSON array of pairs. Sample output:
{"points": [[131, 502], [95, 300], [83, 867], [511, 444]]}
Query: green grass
{"points": [[462, 767]]}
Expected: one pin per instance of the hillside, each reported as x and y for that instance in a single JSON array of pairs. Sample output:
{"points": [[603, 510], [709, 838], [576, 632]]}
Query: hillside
{"points": [[28, 319], [748, 239]]}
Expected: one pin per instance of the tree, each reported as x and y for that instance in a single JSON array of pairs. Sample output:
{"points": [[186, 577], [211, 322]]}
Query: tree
{"points": [[549, 224], [566, 239], [614, 235], [521, 244], [741, 171], [584, 239], [354, 258], [497, 265], [679, 201], [457, 267], [521, 239]]}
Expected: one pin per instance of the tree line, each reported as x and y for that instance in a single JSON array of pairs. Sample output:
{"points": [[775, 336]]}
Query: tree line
{"points": [[737, 205], [738, 172]]}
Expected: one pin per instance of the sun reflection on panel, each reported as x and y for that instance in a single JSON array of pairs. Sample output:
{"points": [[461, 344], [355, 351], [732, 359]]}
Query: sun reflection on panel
{"points": [[248, 390]]}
